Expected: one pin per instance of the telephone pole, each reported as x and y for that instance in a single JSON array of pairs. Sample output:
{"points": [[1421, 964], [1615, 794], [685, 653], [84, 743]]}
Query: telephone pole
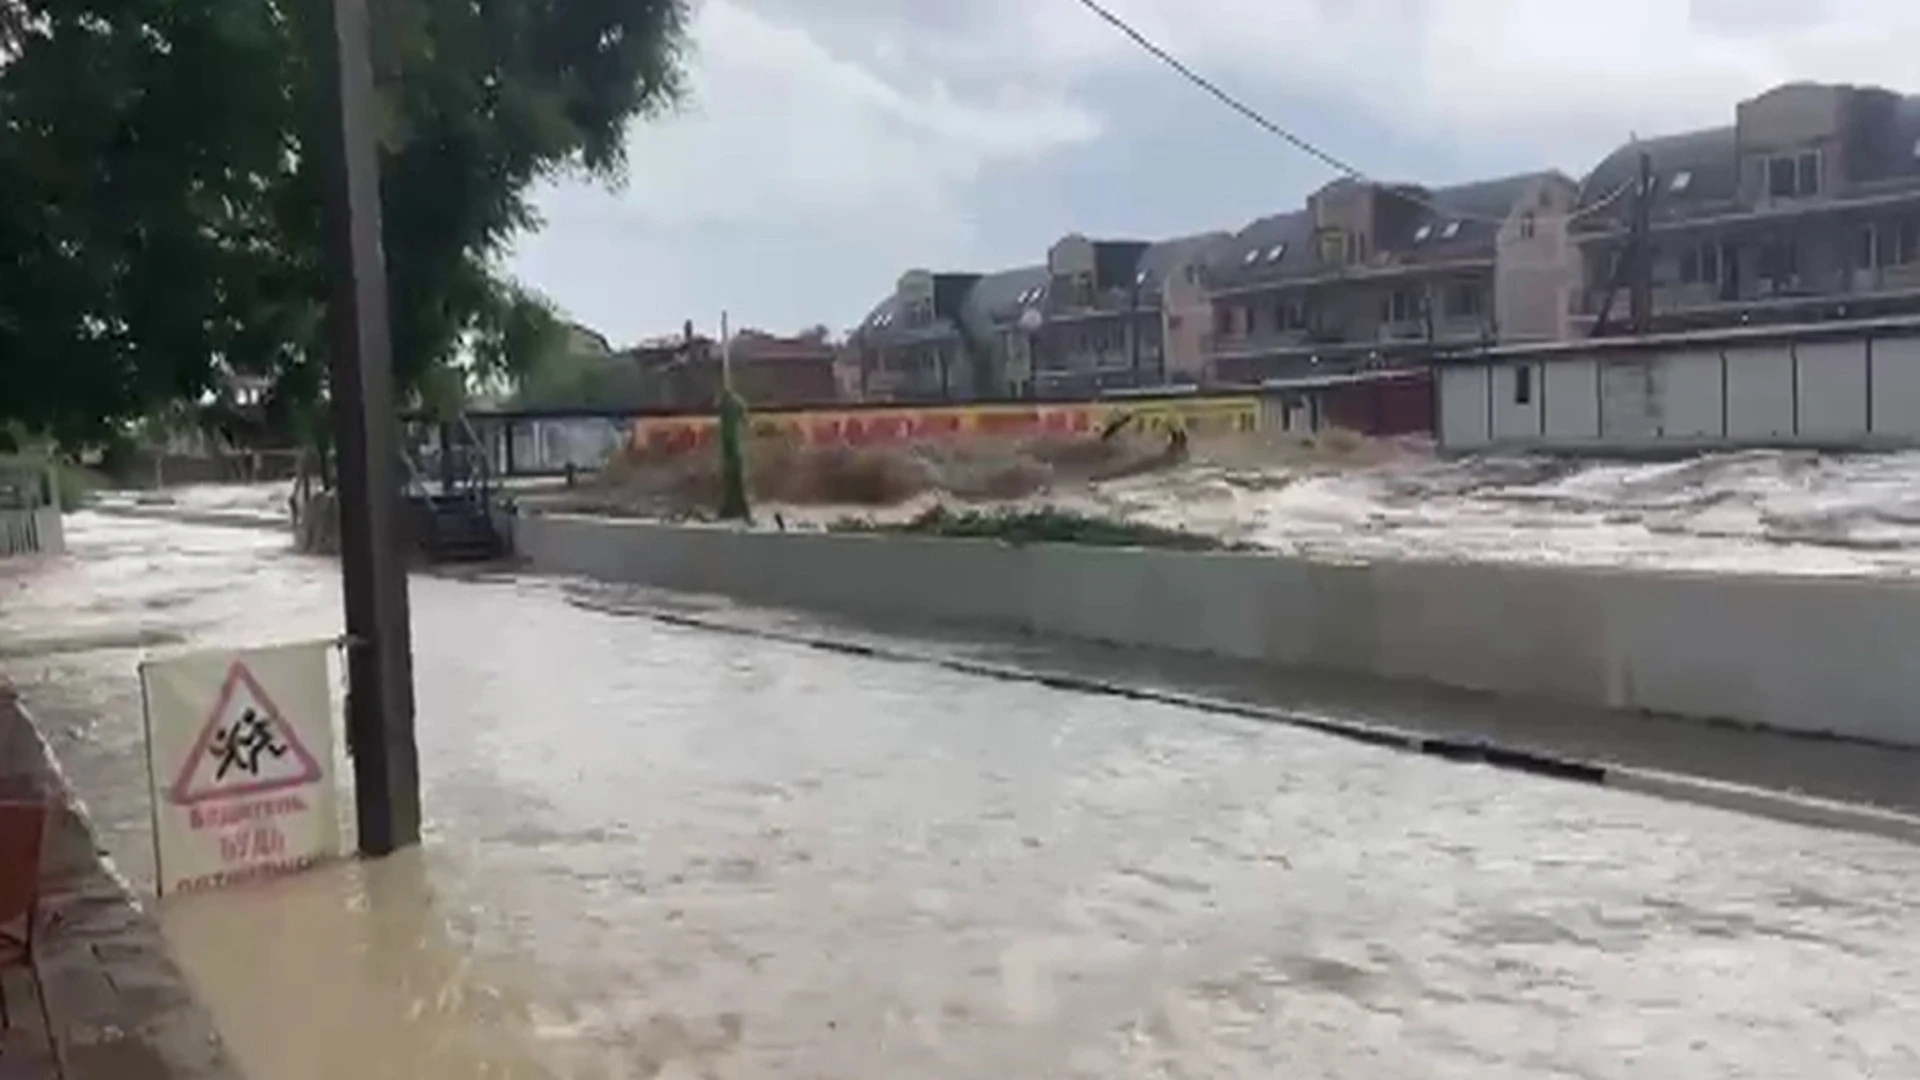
{"points": [[386, 768], [1640, 296]]}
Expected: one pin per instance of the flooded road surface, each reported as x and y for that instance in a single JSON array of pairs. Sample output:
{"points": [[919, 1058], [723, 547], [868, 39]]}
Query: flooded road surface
{"points": [[656, 851]]}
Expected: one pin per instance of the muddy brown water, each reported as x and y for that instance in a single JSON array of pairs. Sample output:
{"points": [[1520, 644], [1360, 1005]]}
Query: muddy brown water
{"points": [[654, 851]]}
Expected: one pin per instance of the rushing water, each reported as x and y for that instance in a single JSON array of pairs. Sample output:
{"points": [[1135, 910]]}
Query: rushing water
{"points": [[655, 851]]}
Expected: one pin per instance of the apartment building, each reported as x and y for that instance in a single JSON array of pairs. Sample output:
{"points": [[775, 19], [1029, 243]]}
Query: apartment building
{"points": [[1370, 271], [1120, 314], [1806, 208], [911, 347], [998, 316]]}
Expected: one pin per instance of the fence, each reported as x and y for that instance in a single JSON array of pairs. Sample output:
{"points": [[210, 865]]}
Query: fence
{"points": [[29, 510]]}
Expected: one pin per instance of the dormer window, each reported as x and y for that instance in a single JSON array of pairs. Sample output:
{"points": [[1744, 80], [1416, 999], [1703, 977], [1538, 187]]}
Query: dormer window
{"points": [[1792, 176], [1680, 182]]}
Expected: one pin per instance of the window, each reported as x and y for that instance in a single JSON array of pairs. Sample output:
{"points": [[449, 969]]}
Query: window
{"points": [[1402, 306], [1809, 170], [1794, 175], [1528, 224], [1252, 257], [1223, 321], [1700, 264], [1421, 234], [1780, 178], [1863, 257], [1173, 322], [1249, 320], [1523, 385], [1452, 230], [1680, 182], [1275, 252], [1899, 244], [1140, 278], [1465, 301], [1332, 246]]}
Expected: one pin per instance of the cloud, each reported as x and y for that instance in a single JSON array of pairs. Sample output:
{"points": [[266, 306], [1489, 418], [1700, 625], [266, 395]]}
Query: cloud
{"points": [[794, 133], [1570, 80], [831, 144]]}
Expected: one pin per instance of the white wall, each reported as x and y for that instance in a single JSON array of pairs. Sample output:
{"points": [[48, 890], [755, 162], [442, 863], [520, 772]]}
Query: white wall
{"points": [[1896, 386], [1816, 655], [1760, 392], [1572, 406], [1832, 388], [1464, 424], [1514, 418], [1690, 395]]}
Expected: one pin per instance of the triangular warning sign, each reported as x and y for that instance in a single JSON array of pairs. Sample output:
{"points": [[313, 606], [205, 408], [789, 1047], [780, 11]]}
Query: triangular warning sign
{"points": [[245, 748]]}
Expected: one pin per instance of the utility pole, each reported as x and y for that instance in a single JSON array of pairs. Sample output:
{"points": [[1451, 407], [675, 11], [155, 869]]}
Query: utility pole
{"points": [[1641, 294], [386, 767], [733, 421]]}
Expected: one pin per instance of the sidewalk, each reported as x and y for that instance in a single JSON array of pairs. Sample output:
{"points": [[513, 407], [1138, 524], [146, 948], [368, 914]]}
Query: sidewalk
{"points": [[120, 1008]]}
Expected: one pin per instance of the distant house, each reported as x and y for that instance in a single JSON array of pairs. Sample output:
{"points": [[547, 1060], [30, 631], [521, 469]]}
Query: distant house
{"points": [[917, 344], [1369, 271], [684, 373], [1806, 209], [1121, 314]]}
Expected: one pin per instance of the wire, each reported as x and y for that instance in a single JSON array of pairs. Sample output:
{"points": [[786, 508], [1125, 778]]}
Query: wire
{"points": [[1298, 142]]}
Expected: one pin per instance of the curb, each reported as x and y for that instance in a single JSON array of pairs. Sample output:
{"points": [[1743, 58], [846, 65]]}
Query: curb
{"points": [[1783, 806]]}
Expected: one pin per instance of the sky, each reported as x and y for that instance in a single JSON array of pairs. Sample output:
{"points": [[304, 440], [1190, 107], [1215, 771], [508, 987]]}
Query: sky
{"points": [[828, 146]]}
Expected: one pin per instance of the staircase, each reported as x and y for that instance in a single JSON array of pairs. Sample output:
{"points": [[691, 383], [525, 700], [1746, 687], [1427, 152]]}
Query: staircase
{"points": [[458, 527], [453, 511]]}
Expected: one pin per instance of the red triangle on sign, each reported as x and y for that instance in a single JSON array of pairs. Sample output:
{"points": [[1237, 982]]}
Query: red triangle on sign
{"points": [[237, 743]]}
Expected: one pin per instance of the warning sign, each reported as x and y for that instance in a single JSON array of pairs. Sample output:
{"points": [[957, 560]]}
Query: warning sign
{"points": [[240, 757]]}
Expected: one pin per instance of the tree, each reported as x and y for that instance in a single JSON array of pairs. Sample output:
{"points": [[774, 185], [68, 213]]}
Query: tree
{"points": [[160, 191]]}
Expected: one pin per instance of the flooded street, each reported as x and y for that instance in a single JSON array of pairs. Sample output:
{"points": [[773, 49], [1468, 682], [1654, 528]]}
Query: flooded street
{"points": [[659, 851]]}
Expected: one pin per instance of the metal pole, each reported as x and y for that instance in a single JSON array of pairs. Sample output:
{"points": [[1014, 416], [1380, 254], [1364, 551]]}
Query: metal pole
{"points": [[1641, 295], [386, 768]]}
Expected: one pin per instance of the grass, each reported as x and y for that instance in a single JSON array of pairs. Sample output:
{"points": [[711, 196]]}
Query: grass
{"points": [[1049, 526]]}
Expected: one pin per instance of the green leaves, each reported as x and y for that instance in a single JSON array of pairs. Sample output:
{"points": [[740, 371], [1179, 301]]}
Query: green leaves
{"points": [[160, 194]]}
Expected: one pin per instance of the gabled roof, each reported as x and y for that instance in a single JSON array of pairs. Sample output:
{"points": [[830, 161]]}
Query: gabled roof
{"points": [[1709, 161], [1452, 223], [997, 299], [1694, 173], [1163, 258], [1269, 249]]}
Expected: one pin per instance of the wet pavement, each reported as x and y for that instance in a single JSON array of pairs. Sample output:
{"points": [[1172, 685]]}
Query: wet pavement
{"points": [[661, 851]]}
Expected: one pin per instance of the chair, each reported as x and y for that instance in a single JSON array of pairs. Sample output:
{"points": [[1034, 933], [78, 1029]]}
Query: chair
{"points": [[23, 830]]}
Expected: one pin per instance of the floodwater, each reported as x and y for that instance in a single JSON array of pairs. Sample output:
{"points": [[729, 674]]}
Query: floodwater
{"points": [[1759, 511], [659, 852]]}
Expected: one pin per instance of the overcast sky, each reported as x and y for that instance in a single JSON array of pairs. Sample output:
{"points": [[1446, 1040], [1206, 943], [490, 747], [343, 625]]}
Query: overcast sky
{"points": [[828, 145]]}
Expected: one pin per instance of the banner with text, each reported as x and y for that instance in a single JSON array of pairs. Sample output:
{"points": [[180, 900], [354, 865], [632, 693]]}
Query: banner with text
{"points": [[240, 765], [906, 424]]}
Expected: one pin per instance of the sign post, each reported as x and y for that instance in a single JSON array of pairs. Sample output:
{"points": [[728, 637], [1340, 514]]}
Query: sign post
{"points": [[240, 765]]}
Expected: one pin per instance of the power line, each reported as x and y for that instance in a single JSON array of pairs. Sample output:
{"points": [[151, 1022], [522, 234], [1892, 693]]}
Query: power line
{"points": [[1249, 112]]}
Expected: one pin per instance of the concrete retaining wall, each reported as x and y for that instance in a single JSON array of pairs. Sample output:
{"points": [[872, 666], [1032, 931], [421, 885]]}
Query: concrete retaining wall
{"points": [[1814, 655]]}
